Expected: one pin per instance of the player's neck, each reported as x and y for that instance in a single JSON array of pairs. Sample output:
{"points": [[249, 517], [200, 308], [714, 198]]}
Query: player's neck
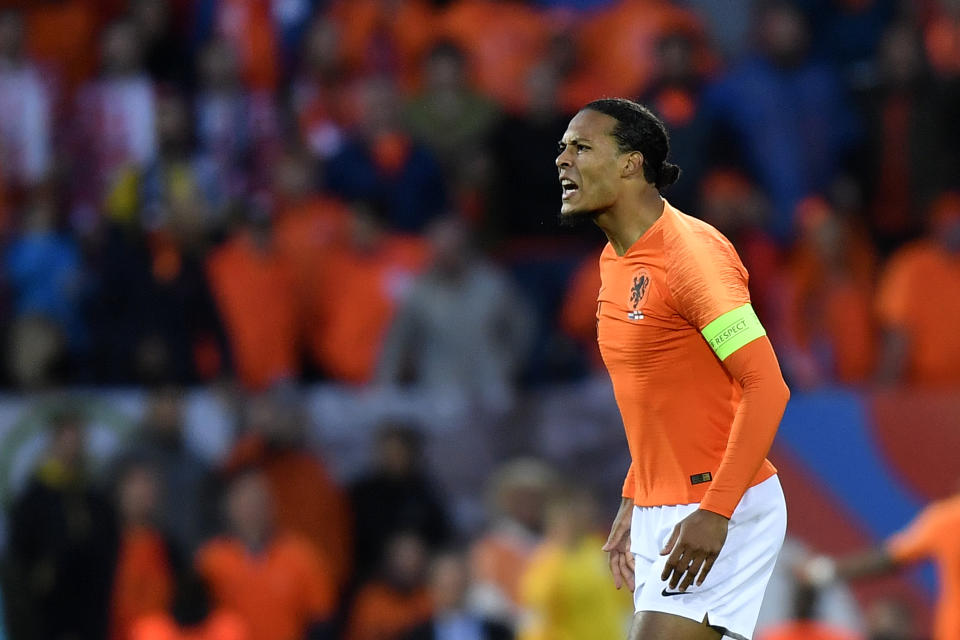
{"points": [[629, 219]]}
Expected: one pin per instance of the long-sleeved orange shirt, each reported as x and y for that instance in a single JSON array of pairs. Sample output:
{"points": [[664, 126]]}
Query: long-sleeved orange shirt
{"points": [[700, 410]]}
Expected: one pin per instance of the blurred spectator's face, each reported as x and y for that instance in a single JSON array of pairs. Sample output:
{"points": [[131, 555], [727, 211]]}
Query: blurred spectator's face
{"points": [[68, 443], [784, 35], [450, 242], [449, 581], [396, 457], [901, 57], [445, 72], [173, 124], [250, 507], [121, 52], [525, 504], [11, 35], [406, 561], [165, 415], [378, 107], [365, 230], [676, 58], [322, 47], [293, 178], [139, 496], [276, 424], [542, 86], [151, 17], [218, 65]]}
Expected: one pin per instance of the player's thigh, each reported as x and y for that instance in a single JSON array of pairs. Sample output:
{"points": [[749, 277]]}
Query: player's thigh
{"points": [[656, 625]]}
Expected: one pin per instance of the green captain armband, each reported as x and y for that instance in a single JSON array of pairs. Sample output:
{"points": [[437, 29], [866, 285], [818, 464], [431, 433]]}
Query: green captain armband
{"points": [[733, 330]]}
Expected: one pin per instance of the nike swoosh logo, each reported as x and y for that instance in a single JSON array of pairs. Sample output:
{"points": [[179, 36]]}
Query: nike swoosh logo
{"points": [[667, 594]]}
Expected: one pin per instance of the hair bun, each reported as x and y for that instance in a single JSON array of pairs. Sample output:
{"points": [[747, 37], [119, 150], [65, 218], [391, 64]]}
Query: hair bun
{"points": [[668, 175]]}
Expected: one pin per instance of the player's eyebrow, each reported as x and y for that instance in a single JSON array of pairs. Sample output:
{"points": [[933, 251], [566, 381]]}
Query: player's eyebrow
{"points": [[574, 141]]}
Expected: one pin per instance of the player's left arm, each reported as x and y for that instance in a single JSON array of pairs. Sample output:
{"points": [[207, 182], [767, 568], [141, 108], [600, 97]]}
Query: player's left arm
{"points": [[697, 540], [709, 285], [765, 394]]}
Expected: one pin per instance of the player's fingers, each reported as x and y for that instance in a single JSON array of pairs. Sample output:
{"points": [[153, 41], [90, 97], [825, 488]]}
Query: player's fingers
{"points": [[615, 569], [707, 565], [691, 574], [672, 564], [679, 570], [627, 570], [667, 548]]}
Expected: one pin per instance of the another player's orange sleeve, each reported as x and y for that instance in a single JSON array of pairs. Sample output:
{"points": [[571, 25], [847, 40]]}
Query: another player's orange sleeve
{"points": [[893, 295], [761, 407], [916, 541]]}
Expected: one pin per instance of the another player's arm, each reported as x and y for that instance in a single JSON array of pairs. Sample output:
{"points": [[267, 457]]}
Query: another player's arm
{"points": [[913, 543]]}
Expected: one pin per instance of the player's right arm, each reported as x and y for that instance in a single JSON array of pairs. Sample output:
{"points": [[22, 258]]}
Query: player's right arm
{"points": [[618, 546]]}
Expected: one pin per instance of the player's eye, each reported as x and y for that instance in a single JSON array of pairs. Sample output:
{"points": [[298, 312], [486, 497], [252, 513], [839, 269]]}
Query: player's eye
{"points": [[582, 147]]}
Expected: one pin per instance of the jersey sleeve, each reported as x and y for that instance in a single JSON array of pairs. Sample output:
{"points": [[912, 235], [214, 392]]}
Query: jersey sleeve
{"points": [[708, 283], [916, 540]]}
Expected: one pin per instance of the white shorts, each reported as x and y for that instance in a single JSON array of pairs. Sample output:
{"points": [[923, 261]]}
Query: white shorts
{"points": [[731, 595]]}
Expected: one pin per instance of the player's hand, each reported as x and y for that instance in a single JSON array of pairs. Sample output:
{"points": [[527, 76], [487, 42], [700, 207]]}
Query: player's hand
{"points": [[618, 546], [693, 547]]}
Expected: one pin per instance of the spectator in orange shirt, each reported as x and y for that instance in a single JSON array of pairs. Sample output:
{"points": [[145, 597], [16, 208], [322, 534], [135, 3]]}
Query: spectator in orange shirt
{"points": [[389, 607], [143, 581], [504, 51], [942, 37], [618, 48], [63, 35], [826, 291], [308, 501], [386, 37], [191, 616], [275, 581], [254, 288], [917, 310], [355, 293], [308, 222]]}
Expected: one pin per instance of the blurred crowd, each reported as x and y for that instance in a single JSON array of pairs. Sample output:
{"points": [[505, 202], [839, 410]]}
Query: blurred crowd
{"points": [[258, 193], [363, 191], [157, 544]]}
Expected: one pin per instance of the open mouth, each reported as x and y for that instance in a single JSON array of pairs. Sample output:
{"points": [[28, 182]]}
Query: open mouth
{"points": [[570, 188]]}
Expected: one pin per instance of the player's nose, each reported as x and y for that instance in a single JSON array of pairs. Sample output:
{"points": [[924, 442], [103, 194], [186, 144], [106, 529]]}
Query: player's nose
{"points": [[563, 160]]}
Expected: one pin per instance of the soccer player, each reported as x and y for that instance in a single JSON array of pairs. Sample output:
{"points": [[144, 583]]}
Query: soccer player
{"points": [[931, 536], [702, 517]]}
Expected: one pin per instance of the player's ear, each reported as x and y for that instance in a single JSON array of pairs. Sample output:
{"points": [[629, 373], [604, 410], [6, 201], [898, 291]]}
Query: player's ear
{"points": [[632, 164]]}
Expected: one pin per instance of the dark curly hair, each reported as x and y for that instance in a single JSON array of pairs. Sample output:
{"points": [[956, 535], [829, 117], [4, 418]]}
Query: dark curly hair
{"points": [[637, 129]]}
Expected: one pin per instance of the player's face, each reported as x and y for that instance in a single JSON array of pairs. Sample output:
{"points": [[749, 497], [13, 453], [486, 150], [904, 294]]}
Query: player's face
{"points": [[589, 166]]}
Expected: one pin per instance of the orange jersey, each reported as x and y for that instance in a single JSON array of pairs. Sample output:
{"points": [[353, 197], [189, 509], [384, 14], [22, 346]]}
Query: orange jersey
{"points": [[278, 593], [680, 285], [933, 535]]}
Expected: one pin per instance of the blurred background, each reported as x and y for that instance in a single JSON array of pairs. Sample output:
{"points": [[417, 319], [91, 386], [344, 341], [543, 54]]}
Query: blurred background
{"points": [[291, 345]]}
